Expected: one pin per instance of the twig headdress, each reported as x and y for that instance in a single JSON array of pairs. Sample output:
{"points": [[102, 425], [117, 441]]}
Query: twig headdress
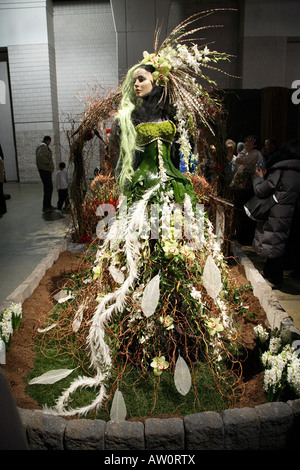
{"points": [[177, 68]]}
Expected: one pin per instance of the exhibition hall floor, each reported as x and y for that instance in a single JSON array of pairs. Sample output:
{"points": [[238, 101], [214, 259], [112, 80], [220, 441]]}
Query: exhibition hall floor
{"points": [[26, 233]]}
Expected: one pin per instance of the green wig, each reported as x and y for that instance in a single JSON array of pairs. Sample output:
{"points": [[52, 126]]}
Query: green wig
{"points": [[128, 145]]}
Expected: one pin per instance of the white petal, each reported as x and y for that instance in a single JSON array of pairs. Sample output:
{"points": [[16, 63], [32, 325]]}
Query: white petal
{"points": [[151, 296], [118, 408], [212, 278], [51, 377], [46, 329], [182, 376], [117, 275], [78, 318], [63, 295]]}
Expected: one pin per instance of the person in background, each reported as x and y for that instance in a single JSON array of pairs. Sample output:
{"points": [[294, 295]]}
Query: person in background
{"points": [[62, 187], [240, 149], [45, 166], [231, 166], [270, 152], [242, 186], [209, 164], [3, 208], [271, 237], [292, 259], [252, 157]]}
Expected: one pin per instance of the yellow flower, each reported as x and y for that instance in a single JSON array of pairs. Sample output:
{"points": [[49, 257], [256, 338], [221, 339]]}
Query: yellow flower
{"points": [[214, 326], [159, 364], [149, 58], [187, 252], [170, 249], [171, 234], [167, 322], [161, 64]]}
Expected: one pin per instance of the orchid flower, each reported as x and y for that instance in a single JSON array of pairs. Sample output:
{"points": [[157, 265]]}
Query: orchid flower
{"points": [[159, 364]]}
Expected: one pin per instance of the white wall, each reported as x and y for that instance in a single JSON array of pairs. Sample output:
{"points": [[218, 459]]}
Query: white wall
{"points": [[6, 126], [85, 50], [23, 22], [57, 51], [86, 56], [33, 103]]}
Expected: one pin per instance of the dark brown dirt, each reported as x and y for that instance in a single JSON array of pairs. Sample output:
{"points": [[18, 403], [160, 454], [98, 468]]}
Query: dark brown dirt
{"points": [[20, 358]]}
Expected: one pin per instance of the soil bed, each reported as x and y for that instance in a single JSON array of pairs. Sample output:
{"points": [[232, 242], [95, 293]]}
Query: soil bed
{"points": [[20, 358]]}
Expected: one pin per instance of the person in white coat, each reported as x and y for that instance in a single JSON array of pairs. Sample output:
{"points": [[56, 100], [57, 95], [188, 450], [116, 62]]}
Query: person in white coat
{"points": [[62, 187]]}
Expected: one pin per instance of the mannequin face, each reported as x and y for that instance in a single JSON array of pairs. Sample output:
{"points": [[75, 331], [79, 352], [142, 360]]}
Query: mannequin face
{"points": [[142, 82]]}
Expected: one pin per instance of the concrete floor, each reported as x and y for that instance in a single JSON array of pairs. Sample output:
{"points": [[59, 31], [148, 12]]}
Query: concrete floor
{"points": [[288, 295], [26, 233]]}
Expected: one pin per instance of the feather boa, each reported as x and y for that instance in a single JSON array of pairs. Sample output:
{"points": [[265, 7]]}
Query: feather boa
{"points": [[114, 301]]}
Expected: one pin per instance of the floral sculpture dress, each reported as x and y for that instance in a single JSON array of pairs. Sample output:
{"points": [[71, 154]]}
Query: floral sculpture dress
{"points": [[154, 310], [160, 297]]}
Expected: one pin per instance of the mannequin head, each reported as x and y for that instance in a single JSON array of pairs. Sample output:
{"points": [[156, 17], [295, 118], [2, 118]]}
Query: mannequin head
{"points": [[142, 82], [139, 98]]}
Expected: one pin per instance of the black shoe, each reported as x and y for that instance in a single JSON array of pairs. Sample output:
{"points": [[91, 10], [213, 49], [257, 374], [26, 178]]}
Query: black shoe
{"points": [[295, 274], [47, 210], [266, 273], [276, 284]]}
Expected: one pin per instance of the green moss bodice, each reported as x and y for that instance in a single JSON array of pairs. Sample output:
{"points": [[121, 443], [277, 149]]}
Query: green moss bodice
{"points": [[150, 131], [156, 139]]}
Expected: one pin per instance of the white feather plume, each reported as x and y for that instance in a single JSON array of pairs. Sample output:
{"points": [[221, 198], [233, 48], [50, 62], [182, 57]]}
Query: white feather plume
{"points": [[99, 350]]}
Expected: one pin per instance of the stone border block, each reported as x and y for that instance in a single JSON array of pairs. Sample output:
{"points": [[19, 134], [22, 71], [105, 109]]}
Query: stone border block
{"points": [[294, 439], [242, 427], [20, 294], [45, 432], [40, 271], [85, 434], [24, 290], [124, 435], [276, 421], [204, 431], [164, 434]]}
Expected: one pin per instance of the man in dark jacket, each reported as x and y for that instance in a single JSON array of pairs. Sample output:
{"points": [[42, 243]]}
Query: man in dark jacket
{"points": [[282, 180], [45, 166]]}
